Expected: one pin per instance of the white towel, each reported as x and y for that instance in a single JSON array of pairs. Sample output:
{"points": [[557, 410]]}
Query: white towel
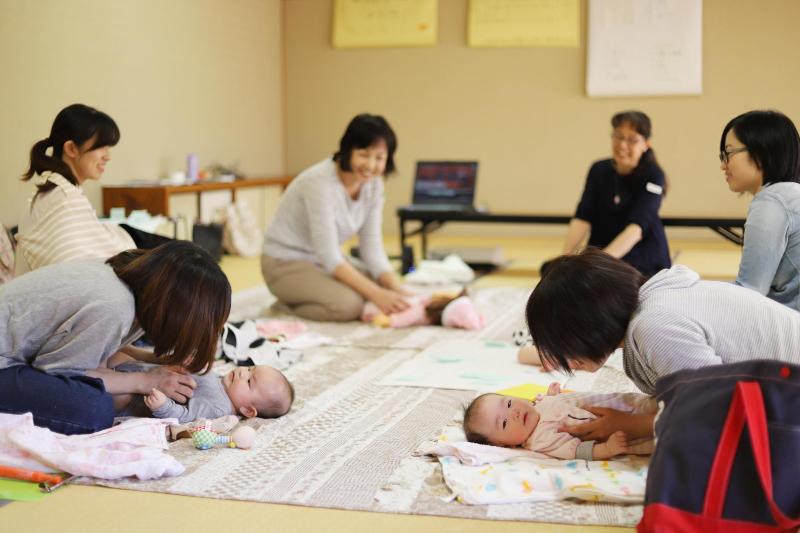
{"points": [[472, 454], [451, 269], [481, 474]]}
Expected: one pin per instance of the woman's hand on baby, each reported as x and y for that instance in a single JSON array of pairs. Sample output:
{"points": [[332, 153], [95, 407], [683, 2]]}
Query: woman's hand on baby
{"points": [[173, 382], [389, 301], [387, 280], [608, 422], [155, 399]]}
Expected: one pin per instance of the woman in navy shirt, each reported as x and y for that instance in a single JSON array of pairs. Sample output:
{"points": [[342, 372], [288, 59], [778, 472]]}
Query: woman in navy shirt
{"points": [[621, 199]]}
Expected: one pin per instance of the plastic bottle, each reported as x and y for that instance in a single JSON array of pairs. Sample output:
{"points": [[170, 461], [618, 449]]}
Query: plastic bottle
{"points": [[191, 168]]}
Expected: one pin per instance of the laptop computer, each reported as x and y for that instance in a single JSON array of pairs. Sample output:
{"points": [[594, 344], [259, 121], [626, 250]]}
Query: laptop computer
{"points": [[445, 186]]}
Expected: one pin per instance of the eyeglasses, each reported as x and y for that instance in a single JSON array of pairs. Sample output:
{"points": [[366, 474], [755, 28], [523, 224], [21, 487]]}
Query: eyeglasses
{"points": [[627, 140], [725, 155]]}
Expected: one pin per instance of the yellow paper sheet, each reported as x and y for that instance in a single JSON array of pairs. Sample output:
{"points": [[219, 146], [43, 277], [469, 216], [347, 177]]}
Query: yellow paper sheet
{"points": [[379, 23], [527, 391], [519, 23]]}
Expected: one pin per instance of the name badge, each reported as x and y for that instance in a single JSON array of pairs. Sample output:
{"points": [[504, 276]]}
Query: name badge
{"points": [[653, 188]]}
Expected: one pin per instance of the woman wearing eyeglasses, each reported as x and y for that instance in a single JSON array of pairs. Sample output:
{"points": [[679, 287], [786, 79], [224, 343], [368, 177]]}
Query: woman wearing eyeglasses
{"points": [[621, 199], [759, 153]]}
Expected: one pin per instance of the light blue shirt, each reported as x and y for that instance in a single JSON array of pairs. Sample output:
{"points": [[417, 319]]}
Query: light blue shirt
{"points": [[771, 254]]}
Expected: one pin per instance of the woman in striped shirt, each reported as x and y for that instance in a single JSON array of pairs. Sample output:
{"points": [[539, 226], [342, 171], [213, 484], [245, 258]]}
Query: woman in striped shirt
{"points": [[61, 224], [589, 305]]}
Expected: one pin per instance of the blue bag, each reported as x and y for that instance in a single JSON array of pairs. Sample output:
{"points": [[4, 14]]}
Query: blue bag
{"points": [[727, 454]]}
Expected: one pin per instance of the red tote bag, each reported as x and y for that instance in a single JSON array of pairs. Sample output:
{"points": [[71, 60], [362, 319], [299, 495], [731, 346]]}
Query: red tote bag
{"points": [[747, 408]]}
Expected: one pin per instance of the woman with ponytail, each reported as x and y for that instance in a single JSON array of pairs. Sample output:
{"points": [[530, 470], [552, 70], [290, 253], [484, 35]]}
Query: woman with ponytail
{"points": [[61, 224], [621, 199]]}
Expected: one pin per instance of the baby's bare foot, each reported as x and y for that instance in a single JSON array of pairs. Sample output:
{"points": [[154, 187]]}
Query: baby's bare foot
{"points": [[617, 443]]}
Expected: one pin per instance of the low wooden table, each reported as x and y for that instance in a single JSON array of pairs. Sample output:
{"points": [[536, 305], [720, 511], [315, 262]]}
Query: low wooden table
{"points": [[155, 198]]}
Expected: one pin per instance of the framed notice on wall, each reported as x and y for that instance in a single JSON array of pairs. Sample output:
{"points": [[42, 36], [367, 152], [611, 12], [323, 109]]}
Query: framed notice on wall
{"points": [[644, 47], [384, 23], [520, 23]]}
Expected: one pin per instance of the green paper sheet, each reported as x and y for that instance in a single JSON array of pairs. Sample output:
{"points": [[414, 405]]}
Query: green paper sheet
{"points": [[23, 491]]}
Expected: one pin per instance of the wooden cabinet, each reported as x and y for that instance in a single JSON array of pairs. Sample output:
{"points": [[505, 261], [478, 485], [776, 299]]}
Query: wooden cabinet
{"points": [[155, 198]]}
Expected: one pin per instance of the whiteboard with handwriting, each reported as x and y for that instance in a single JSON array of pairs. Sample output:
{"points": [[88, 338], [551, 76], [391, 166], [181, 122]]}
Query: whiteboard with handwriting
{"points": [[644, 47]]}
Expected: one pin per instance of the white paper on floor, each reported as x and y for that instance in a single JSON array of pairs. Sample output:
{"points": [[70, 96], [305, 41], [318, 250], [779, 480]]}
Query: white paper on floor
{"points": [[473, 364]]}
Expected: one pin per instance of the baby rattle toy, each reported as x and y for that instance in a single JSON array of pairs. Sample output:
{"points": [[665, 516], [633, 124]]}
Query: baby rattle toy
{"points": [[242, 437]]}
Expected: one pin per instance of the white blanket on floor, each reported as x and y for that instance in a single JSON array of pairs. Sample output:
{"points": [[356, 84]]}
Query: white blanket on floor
{"points": [[481, 474], [133, 448]]}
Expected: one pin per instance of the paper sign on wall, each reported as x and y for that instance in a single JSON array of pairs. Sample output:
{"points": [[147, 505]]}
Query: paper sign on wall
{"points": [[517, 23], [384, 23], [644, 47]]}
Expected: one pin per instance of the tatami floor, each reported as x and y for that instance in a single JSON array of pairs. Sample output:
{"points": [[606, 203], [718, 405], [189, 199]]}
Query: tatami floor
{"points": [[94, 509], [710, 255]]}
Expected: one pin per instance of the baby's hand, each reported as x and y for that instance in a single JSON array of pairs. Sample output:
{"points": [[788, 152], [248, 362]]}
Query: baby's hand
{"points": [[155, 399], [554, 389], [617, 443]]}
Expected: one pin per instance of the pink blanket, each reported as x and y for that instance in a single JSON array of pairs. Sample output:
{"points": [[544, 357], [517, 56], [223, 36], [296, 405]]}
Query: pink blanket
{"points": [[133, 448]]}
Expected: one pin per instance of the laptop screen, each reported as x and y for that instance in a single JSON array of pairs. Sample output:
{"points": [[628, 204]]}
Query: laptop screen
{"points": [[445, 182]]}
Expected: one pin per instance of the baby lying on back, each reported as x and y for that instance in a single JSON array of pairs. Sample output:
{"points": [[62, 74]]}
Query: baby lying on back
{"points": [[248, 391], [448, 309], [510, 422]]}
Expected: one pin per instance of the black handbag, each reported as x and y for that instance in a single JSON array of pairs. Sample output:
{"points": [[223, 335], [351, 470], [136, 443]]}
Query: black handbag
{"points": [[209, 238], [727, 454]]}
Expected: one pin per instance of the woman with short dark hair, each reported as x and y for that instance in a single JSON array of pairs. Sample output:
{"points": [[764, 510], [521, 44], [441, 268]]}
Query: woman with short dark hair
{"points": [[759, 152], [590, 304], [323, 207], [621, 199], [59, 325]]}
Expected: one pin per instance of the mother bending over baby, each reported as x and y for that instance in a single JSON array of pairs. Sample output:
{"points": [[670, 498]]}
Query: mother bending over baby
{"points": [[590, 304], [60, 324]]}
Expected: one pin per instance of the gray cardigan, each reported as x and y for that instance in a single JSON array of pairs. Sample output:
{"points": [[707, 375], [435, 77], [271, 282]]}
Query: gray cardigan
{"points": [[66, 318], [316, 216]]}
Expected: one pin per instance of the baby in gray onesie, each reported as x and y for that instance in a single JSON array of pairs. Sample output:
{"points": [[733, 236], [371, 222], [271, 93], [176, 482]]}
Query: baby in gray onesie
{"points": [[246, 390]]}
